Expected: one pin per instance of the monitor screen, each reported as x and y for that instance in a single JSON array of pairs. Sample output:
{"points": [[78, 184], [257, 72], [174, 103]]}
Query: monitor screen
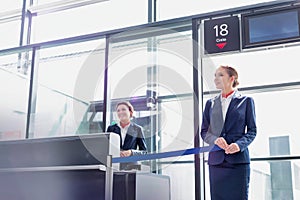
{"points": [[271, 27]]}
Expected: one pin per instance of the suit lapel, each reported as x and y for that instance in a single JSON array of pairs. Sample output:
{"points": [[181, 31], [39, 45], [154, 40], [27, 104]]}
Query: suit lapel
{"points": [[118, 131], [232, 104], [217, 116], [217, 110], [129, 133]]}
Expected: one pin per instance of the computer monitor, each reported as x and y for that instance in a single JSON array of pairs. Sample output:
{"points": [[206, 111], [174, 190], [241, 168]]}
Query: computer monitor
{"points": [[271, 27]]}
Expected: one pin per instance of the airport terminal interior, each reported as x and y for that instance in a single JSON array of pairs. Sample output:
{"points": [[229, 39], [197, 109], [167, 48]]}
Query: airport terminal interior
{"points": [[65, 64]]}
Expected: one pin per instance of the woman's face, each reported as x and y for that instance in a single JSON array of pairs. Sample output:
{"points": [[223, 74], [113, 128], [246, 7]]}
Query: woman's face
{"points": [[123, 113], [222, 79]]}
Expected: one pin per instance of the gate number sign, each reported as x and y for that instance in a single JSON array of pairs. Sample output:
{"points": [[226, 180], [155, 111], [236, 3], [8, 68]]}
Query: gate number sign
{"points": [[221, 35]]}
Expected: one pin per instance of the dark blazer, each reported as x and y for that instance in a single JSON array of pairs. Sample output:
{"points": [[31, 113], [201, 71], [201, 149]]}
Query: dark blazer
{"points": [[134, 138], [239, 127]]}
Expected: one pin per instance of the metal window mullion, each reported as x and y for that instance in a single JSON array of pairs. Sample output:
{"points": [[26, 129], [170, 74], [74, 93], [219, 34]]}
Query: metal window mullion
{"points": [[150, 11], [105, 100], [32, 96], [23, 18], [195, 37]]}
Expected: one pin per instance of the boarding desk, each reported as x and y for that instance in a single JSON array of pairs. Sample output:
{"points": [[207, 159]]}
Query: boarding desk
{"points": [[71, 168]]}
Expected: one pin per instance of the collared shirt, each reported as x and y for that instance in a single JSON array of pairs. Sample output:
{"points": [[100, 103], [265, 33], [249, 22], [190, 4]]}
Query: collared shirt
{"points": [[123, 132], [225, 104]]}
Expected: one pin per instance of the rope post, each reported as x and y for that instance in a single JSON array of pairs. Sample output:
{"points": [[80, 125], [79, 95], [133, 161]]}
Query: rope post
{"points": [[109, 179]]}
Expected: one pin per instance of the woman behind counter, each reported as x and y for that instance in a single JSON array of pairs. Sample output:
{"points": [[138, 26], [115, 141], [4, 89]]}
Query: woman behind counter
{"points": [[132, 139], [229, 122]]}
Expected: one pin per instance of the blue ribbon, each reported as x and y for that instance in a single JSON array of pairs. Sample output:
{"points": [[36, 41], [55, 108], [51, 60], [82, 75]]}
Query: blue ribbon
{"points": [[166, 154]]}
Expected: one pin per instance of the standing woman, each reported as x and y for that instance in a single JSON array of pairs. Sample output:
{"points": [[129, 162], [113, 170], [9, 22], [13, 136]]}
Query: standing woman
{"points": [[229, 122], [132, 139]]}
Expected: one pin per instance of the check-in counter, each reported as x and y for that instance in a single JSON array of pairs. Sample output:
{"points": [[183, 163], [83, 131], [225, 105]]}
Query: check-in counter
{"points": [[71, 168]]}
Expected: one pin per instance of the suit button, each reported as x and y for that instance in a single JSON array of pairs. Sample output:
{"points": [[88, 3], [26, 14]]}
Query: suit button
{"points": [[224, 134]]}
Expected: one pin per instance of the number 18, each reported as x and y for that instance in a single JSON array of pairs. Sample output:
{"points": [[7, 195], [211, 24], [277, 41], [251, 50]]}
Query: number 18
{"points": [[223, 30]]}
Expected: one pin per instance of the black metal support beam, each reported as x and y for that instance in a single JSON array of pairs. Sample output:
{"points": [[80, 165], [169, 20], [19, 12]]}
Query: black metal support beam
{"points": [[105, 83], [195, 37], [32, 93]]}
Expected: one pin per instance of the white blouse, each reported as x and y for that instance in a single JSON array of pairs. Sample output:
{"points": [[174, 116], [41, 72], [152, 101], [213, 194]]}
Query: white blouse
{"points": [[123, 132], [225, 104]]}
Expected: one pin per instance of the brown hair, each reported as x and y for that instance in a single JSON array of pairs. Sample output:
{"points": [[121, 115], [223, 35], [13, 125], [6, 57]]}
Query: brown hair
{"points": [[232, 72], [129, 106]]}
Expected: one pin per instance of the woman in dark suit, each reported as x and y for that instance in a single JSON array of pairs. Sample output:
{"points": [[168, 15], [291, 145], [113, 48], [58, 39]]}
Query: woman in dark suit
{"points": [[132, 139], [229, 122]]}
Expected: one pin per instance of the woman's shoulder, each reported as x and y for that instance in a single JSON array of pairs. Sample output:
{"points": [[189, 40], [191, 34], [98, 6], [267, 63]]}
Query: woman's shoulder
{"points": [[244, 97], [112, 126], [135, 125], [213, 99]]}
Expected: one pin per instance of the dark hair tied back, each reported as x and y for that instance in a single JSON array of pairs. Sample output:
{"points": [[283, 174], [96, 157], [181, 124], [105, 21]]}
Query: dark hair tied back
{"points": [[232, 72]]}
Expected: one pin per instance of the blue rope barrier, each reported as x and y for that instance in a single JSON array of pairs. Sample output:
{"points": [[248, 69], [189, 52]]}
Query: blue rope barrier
{"points": [[166, 154]]}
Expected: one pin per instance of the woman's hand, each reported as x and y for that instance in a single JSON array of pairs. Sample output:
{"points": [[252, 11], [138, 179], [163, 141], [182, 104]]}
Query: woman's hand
{"points": [[232, 148], [125, 153], [229, 149], [221, 142]]}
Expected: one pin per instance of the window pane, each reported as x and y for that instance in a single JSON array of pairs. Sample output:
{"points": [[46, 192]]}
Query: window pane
{"points": [[177, 125], [10, 34], [256, 68], [41, 2], [127, 74], [135, 69], [159, 63], [69, 78], [89, 19], [277, 116], [11, 5], [271, 180], [182, 180], [275, 180], [14, 95], [168, 9]]}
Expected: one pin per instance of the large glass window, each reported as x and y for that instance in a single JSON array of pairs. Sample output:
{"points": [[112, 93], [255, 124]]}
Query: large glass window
{"points": [[87, 19], [14, 78], [69, 78], [276, 114], [152, 68], [161, 65]]}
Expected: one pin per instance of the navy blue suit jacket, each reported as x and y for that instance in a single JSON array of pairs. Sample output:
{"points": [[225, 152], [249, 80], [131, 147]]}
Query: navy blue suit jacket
{"points": [[134, 138], [239, 127]]}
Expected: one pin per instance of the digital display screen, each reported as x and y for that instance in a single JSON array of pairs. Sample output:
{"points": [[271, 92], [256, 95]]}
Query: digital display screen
{"points": [[271, 27]]}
